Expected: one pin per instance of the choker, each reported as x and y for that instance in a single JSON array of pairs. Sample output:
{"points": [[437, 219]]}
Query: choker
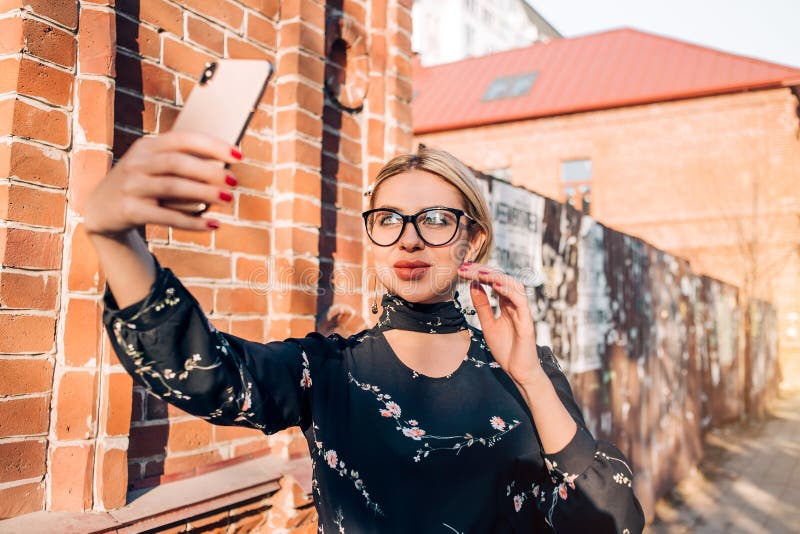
{"points": [[434, 318]]}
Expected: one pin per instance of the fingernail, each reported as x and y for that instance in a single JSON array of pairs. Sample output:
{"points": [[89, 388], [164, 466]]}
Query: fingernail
{"points": [[224, 195], [484, 272], [467, 262], [498, 284], [475, 284], [236, 154], [211, 223], [230, 180], [462, 268]]}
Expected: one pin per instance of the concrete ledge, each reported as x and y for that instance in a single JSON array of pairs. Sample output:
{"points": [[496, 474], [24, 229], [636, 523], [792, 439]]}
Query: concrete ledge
{"points": [[174, 501]]}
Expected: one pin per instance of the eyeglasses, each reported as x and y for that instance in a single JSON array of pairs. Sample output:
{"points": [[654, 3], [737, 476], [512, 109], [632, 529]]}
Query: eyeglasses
{"points": [[435, 226]]}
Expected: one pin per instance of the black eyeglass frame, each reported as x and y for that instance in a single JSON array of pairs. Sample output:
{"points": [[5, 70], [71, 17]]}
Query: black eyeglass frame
{"points": [[413, 220]]}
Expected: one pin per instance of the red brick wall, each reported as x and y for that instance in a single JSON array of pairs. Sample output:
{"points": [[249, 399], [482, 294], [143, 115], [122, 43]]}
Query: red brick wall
{"points": [[78, 84], [680, 175]]}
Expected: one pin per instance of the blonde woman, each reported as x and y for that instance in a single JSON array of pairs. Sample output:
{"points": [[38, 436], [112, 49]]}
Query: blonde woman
{"points": [[420, 423]]}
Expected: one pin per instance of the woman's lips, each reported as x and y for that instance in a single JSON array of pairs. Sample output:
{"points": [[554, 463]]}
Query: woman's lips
{"points": [[410, 270]]}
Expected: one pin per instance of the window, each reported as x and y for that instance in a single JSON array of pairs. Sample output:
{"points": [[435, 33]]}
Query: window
{"points": [[510, 86], [576, 183]]}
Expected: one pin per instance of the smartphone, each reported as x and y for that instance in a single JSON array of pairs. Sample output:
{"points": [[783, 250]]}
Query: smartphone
{"points": [[222, 104]]}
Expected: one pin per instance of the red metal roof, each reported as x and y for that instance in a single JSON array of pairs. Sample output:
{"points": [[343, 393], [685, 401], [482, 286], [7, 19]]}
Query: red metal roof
{"points": [[598, 71]]}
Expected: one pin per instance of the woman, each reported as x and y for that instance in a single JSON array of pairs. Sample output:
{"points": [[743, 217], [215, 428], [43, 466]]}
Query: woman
{"points": [[421, 423]]}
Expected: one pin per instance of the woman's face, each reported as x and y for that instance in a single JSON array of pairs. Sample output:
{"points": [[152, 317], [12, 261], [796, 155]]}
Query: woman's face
{"points": [[408, 193]]}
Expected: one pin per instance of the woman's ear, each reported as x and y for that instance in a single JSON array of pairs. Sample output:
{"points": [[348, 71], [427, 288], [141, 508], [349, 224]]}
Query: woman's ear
{"points": [[476, 242]]}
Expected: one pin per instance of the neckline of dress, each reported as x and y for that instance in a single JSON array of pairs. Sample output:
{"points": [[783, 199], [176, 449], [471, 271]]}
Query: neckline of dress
{"points": [[416, 374]]}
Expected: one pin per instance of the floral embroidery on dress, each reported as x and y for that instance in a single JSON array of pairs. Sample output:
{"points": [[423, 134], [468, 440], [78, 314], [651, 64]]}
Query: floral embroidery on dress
{"points": [[332, 460], [305, 381], [520, 498], [411, 428]]}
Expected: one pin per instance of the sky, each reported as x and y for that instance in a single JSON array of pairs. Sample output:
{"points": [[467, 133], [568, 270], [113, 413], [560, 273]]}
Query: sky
{"points": [[764, 29]]}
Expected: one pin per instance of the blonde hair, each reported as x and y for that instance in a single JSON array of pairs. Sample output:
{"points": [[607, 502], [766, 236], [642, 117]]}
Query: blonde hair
{"points": [[449, 168]]}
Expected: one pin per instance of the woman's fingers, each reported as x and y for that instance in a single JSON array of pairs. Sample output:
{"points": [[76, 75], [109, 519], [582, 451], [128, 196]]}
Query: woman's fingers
{"points": [[201, 145], [178, 188], [480, 301], [512, 288], [185, 165], [146, 213]]}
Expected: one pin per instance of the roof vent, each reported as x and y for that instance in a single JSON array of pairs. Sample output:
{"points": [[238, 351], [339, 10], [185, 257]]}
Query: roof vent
{"points": [[510, 86]]}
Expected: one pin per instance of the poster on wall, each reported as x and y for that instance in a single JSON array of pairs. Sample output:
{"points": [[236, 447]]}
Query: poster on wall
{"points": [[593, 318], [518, 217]]}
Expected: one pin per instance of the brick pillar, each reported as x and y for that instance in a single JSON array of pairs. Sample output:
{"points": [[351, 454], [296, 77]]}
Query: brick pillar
{"points": [[38, 46]]}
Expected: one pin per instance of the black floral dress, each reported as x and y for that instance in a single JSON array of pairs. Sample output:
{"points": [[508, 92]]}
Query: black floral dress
{"points": [[392, 450]]}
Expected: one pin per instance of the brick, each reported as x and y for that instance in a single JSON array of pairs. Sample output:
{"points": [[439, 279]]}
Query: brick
{"points": [[29, 249], [257, 148], [253, 176], [82, 333], [240, 49], [297, 240], [22, 376], [22, 459], [242, 239], [293, 63], [253, 329], [262, 31], [186, 263], [333, 167], [26, 333], [252, 271], [48, 42], [145, 78], [298, 181], [112, 482], [378, 14], [34, 163], [204, 296], [95, 112], [24, 417], [268, 8], [230, 433], [191, 237], [116, 404], [376, 138], [135, 112], [254, 208], [312, 12], [299, 210], [188, 435], [89, 167], [181, 464], [11, 35], [76, 405], [184, 58], [166, 117], [28, 291], [160, 13], [97, 39], [19, 500], [240, 300], [301, 94], [203, 33], [84, 270], [223, 11], [138, 38], [298, 121], [33, 122], [32, 205], [299, 151], [149, 440], [71, 469], [40, 81]]}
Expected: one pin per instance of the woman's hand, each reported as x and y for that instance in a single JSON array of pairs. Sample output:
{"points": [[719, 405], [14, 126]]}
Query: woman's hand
{"points": [[180, 166], [511, 337]]}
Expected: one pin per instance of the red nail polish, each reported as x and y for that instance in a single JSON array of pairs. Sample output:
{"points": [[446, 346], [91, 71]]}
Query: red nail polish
{"points": [[467, 262], [236, 154], [211, 223], [484, 272], [230, 180], [498, 284], [224, 195]]}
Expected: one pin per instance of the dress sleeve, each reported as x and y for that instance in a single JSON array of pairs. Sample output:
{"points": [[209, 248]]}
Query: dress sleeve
{"points": [[588, 486], [167, 344]]}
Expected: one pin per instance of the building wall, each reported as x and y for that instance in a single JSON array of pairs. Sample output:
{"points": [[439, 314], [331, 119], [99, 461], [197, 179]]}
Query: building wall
{"points": [[687, 176], [79, 82], [450, 30]]}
